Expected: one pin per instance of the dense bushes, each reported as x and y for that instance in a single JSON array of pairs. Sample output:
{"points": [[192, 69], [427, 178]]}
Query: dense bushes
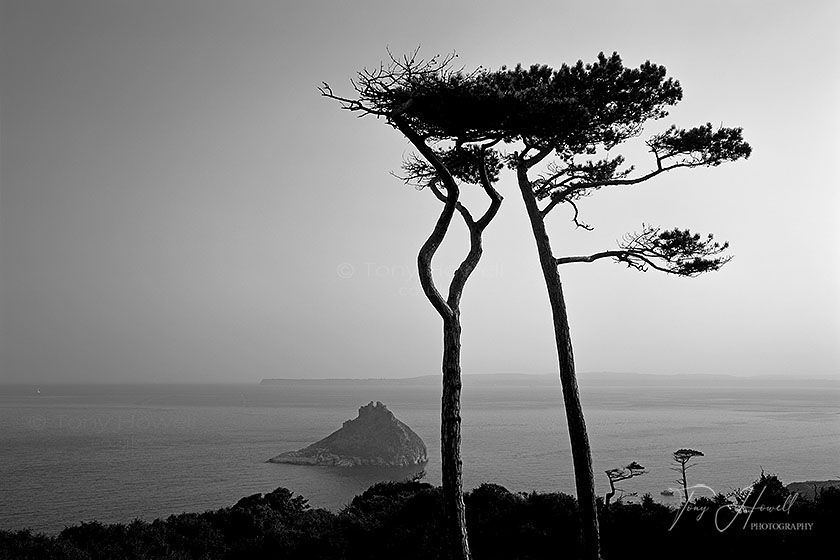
{"points": [[400, 520]]}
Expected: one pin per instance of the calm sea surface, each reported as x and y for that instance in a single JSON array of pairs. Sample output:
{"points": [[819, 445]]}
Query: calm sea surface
{"points": [[118, 452]]}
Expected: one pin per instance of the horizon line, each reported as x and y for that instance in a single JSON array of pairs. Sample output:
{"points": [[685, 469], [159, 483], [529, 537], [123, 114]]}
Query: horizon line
{"points": [[825, 376]]}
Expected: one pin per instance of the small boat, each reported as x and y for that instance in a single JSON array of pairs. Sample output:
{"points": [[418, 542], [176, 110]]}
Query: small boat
{"points": [[667, 492]]}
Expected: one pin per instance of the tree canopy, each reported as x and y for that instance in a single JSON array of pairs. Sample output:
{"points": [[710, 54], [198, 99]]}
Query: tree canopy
{"points": [[567, 109], [571, 110], [576, 113]]}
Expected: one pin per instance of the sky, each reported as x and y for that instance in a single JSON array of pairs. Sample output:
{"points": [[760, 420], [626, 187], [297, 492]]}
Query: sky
{"points": [[178, 203]]}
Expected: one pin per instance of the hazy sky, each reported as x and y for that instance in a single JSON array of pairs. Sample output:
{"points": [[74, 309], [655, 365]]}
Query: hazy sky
{"points": [[178, 203]]}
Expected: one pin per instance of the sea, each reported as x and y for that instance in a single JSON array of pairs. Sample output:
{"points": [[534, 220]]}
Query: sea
{"points": [[115, 453]]}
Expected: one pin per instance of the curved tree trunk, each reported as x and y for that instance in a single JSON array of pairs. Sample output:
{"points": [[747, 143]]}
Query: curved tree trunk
{"points": [[450, 442], [581, 453], [456, 545]]}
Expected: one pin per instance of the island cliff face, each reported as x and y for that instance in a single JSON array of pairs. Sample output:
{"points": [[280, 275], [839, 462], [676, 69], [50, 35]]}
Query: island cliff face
{"points": [[374, 438]]}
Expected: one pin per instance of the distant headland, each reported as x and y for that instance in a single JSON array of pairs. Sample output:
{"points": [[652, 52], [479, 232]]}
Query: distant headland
{"points": [[594, 379]]}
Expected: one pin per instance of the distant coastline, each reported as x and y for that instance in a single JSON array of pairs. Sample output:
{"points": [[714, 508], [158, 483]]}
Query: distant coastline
{"points": [[587, 378], [594, 379]]}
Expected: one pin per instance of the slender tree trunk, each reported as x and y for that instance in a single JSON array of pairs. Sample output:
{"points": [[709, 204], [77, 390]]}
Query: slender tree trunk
{"points": [[685, 484], [609, 495], [581, 453], [456, 545], [450, 442]]}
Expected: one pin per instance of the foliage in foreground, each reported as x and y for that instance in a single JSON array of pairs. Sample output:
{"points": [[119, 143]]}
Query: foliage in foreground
{"points": [[400, 520]]}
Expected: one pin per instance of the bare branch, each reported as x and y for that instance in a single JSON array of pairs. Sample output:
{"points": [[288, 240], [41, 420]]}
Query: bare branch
{"points": [[386, 90], [575, 218], [619, 255], [353, 105], [476, 229], [555, 200], [468, 219]]}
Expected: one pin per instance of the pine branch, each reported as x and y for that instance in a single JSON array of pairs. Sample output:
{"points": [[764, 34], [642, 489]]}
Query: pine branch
{"points": [[674, 251]]}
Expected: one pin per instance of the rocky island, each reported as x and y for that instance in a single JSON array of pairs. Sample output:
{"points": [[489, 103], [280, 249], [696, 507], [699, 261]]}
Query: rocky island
{"points": [[374, 438]]}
